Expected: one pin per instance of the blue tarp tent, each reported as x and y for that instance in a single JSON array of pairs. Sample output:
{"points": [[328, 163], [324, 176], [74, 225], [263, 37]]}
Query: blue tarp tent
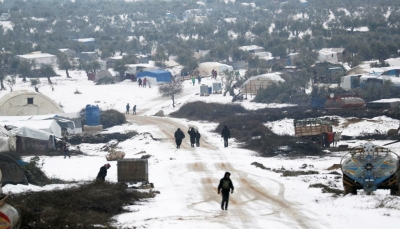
{"points": [[156, 76]]}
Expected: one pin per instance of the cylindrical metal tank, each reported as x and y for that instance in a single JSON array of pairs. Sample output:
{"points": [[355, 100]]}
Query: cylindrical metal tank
{"points": [[217, 87], [9, 217], [203, 89], [370, 166], [92, 115], [344, 102]]}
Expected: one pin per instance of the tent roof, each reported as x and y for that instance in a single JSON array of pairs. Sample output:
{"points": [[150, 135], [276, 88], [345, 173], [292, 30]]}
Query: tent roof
{"points": [[269, 76], [13, 94], [30, 133]]}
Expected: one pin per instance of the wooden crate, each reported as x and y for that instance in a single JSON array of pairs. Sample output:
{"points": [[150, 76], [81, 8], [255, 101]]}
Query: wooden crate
{"points": [[133, 170]]}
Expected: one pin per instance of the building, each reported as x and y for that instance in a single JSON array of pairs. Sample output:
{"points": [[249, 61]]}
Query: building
{"points": [[68, 52], [24, 102], [86, 41], [39, 58], [4, 16], [331, 55], [257, 51]]}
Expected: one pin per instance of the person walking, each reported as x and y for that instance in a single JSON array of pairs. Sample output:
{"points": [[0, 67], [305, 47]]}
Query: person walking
{"points": [[127, 108], [225, 186], [226, 134], [179, 135], [66, 151], [134, 110], [198, 136], [192, 134], [144, 82], [140, 82], [198, 79], [193, 80], [101, 176]]}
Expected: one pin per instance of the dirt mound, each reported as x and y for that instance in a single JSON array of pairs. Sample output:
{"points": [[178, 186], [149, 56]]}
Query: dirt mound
{"points": [[335, 166], [79, 207]]}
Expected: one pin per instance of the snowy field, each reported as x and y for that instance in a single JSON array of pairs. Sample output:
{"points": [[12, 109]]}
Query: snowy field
{"points": [[187, 178]]}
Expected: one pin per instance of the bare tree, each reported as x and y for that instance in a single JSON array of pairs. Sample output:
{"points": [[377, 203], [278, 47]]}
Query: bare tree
{"points": [[231, 80], [170, 90]]}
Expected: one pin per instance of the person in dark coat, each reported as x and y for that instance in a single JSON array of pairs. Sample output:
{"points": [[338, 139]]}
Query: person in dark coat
{"points": [[103, 172], [225, 186], [179, 135], [127, 108], [134, 110], [144, 82], [66, 152], [192, 134], [226, 134], [198, 136], [140, 82]]}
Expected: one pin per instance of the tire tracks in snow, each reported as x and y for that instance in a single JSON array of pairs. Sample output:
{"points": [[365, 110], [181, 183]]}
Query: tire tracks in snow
{"points": [[282, 210]]}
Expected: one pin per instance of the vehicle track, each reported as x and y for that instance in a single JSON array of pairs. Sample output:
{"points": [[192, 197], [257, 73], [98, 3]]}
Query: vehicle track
{"points": [[282, 210]]}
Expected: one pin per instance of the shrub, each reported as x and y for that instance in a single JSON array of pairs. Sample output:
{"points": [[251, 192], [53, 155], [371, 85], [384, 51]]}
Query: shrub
{"points": [[105, 80], [110, 118], [34, 82], [82, 206], [207, 111]]}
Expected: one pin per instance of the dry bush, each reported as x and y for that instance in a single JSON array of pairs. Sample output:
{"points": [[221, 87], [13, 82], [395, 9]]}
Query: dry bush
{"points": [[326, 188], [207, 111], [79, 207], [110, 118]]}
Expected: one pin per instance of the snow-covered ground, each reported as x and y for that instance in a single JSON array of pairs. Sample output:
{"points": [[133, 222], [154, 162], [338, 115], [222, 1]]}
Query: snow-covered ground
{"points": [[187, 178]]}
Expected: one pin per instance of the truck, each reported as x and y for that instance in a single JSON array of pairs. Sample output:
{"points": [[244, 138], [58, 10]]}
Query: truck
{"points": [[316, 129], [370, 167]]}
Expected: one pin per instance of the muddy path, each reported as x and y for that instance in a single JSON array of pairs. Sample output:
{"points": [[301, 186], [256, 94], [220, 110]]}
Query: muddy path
{"points": [[251, 205]]}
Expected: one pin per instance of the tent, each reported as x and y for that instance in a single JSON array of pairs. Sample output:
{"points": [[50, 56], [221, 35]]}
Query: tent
{"points": [[255, 83], [31, 141], [69, 122], [206, 68], [156, 76], [49, 126]]}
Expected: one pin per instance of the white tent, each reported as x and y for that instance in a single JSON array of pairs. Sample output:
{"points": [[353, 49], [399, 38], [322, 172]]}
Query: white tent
{"points": [[255, 83], [49, 126], [206, 68]]}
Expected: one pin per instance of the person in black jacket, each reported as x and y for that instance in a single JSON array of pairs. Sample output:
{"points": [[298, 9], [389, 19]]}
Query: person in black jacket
{"points": [[179, 135], [192, 134], [226, 134], [101, 176], [198, 136], [225, 186]]}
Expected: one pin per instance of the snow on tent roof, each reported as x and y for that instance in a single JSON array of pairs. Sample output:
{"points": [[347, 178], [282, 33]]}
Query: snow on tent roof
{"points": [[50, 126], [253, 84], [206, 68], [161, 76], [28, 132]]}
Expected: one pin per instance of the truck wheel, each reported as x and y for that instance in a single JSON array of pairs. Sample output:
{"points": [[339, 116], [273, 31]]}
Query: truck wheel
{"points": [[393, 191], [354, 191]]}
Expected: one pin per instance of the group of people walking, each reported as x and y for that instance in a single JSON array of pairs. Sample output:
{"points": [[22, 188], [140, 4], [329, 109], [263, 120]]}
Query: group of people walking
{"points": [[214, 74], [142, 83], [194, 137], [128, 107]]}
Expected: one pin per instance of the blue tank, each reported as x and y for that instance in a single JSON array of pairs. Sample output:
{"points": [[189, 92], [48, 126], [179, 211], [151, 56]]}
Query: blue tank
{"points": [[92, 115]]}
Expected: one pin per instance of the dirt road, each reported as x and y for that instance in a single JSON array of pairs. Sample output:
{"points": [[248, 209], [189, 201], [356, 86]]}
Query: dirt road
{"points": [[252, 205]]}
